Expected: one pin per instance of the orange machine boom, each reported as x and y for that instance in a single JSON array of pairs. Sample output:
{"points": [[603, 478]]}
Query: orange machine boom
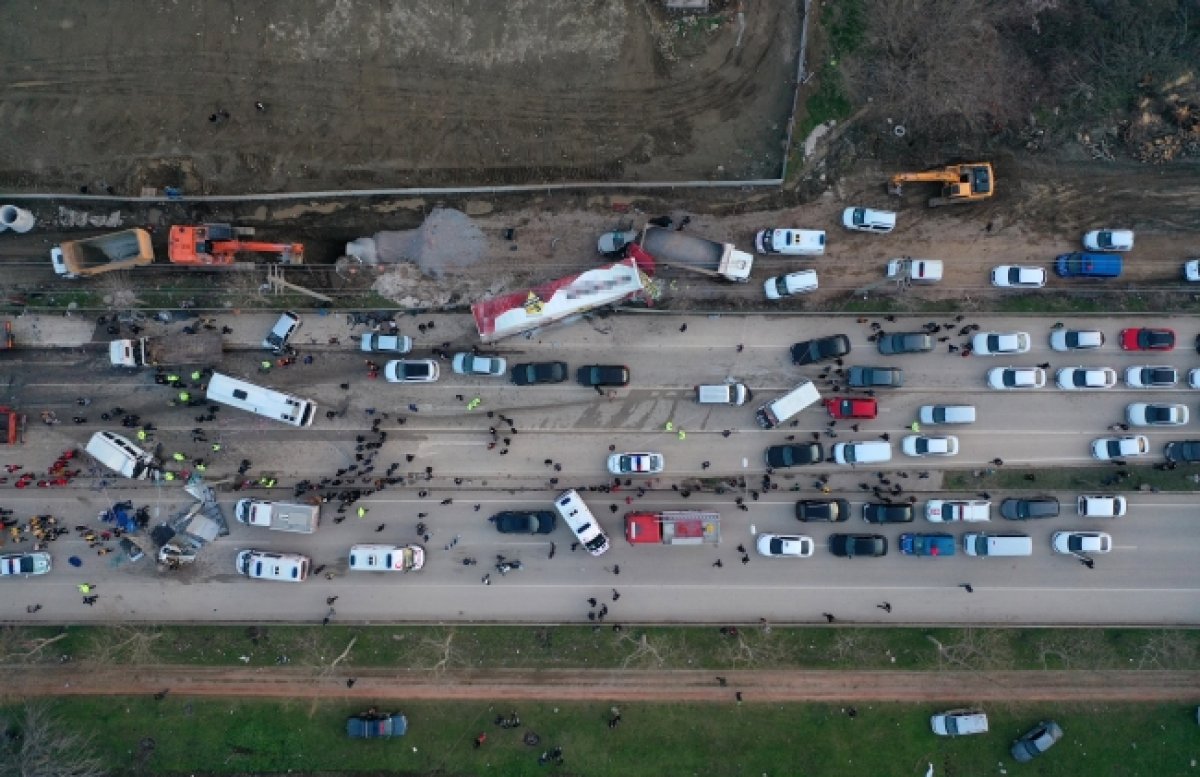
{"points": [[217, 244]]}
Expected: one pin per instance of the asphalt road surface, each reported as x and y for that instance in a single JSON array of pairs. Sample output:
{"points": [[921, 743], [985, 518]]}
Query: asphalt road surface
{"points": [[1147, 579]]}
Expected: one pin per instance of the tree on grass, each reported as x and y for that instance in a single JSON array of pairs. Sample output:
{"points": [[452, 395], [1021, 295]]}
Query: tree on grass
{"points": [[36, 745]]}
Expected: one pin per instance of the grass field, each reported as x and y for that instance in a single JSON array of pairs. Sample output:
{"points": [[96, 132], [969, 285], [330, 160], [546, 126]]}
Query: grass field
{"points": [[560, 647], [184, 736]]}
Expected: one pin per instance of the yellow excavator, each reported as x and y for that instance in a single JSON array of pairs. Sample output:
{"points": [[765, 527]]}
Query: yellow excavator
{"points": [[960, 183]]}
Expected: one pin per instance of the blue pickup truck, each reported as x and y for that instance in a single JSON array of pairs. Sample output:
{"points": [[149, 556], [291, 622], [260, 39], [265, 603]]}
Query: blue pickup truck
{"points": [[376, 725], [927, 544], [1083, 264]]}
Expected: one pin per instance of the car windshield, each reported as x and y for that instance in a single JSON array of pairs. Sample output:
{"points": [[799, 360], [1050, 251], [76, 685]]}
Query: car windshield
{"points": [[1014, 275], [860, 216], [777, 545], [415, 369], [1011, 378], [1157, 414], [781, 286], [1114, 448]]}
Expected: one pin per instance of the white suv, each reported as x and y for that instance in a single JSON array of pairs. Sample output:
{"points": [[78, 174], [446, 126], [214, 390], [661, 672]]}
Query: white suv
{"points": [[285, 327], [869, 220]]}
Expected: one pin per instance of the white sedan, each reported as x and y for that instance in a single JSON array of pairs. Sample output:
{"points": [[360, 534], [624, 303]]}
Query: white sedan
{"points": [[784, 545], [1144, 414], [1194, 378], [1077, 542], [1109, 448], [799, 282], [471, 364], [1011, 276], [1148, 376], [1076, 339], [636, 463], [1004, 378], [1109, 240], [1078, 378], [920, 445], [1191, 271], [386, 558], [995, 343]]}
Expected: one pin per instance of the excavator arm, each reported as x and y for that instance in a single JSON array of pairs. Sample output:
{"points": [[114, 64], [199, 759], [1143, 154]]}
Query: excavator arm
{"points": [[960, 183]]}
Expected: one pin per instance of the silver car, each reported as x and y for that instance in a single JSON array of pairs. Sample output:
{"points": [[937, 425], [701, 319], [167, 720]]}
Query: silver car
{"points": [[1146, 414]]}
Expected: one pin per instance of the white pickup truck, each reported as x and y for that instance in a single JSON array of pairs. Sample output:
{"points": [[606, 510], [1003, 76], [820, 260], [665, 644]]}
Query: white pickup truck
{"points": [[280, 516]]}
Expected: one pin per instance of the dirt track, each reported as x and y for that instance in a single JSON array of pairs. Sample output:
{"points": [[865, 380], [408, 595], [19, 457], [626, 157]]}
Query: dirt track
{"points": [[583, 685]]}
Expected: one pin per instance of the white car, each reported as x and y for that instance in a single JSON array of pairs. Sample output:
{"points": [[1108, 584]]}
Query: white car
{"points": [[799, 282], [949, 511], [386, 558], [1073, 543], [636, 463], [411, 371], [868, 220], [1004, 378], [1109, 240], [1076, 339], [794, 242], [286, 326], [1191, 271], [784, 545], [996, 343], [1011, 276], [1109, 448], [1077, 378], [471, 364], [1194, 378], [1150, 376], [1143, 414], [29, 563], [921, 445], [372, 342]]}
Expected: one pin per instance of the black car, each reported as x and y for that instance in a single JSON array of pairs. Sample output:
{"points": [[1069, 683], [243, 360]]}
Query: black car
{"points": [[882, 512], [524, 521], [832, 510], [1026, 509], [1187, 451], [812, 351], [874, 377], [851, 545], [532, 373], [795, 455], [905, 342], [603, 375]]}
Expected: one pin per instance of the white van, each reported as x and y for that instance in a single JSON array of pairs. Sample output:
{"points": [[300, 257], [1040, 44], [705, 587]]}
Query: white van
{"points": [[946, 414], [959, 723], [795, 242], [866, 452], [869, 220], [1102, 506], [780, 410], [120, 455], [264, 565], [723, 394], [997, 545], [577, 516]]}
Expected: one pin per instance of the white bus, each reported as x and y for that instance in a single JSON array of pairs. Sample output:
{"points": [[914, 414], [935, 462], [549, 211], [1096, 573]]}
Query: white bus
{"points": [[264, 401]]}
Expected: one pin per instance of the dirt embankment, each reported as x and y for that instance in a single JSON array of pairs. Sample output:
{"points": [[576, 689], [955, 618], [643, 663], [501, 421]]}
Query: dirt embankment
{"points": [[23, 682]]}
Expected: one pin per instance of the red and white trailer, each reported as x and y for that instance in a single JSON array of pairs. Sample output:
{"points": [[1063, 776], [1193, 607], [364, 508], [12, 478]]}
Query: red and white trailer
{"points": [[523, 311], [673, 528]]}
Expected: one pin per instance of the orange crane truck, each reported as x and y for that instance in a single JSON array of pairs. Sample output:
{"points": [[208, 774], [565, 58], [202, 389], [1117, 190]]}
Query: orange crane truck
{"points": [[960, 183], [220, 245]]}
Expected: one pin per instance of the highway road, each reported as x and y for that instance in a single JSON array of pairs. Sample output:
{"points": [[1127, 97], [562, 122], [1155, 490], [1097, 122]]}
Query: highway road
{"points": [[1148, 579]]}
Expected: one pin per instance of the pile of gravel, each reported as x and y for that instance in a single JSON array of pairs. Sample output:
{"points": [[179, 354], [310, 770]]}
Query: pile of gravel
{"points": [[446, 243]]}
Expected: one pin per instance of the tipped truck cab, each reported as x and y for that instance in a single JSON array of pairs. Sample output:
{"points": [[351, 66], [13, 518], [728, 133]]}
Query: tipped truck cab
{"points": [[784, 408]]}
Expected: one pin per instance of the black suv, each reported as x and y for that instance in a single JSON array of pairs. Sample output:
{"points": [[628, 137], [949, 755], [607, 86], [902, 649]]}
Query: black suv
{"points": [[881, 512], [832, 510], [871, 377], [819, 350], [905, 342], [1026, 509], [795, 455]]}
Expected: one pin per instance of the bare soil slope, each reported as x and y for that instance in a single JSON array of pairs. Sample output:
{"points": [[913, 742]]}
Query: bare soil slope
{"points": [[391, 93]]}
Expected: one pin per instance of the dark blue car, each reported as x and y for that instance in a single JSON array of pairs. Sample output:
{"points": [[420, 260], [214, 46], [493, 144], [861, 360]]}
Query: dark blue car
{"points": [[1082, 264], [376, 725]]}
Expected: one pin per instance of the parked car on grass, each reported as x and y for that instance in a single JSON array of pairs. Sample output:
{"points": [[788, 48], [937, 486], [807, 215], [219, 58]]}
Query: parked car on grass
{"points": [[376, 725], [1037, 741]]}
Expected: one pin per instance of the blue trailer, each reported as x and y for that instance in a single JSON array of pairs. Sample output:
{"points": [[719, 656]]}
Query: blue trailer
{"points": [[1083, 264]]}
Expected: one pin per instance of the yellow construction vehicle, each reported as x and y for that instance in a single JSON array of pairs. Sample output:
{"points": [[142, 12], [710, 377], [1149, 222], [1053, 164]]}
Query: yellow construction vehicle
{"points": [[960, 183]]}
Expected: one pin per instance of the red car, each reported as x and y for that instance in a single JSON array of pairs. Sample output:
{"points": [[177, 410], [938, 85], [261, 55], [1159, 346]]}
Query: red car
{"points": [[851, 407], [1146, 339]]}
